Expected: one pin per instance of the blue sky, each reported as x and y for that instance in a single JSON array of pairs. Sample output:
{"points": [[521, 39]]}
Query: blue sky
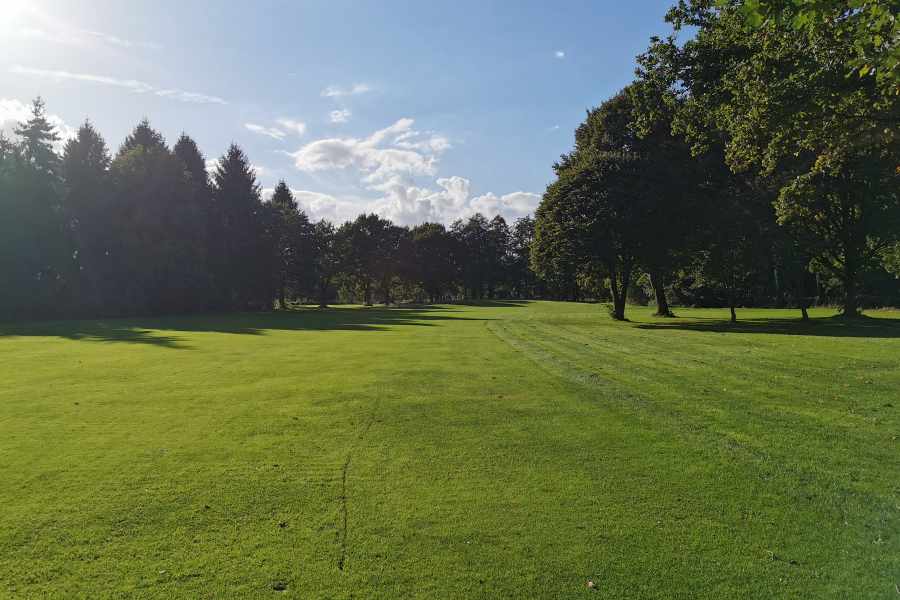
{"points": [[416, 110]]}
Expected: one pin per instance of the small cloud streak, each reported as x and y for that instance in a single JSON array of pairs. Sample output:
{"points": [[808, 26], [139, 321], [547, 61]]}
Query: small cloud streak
{"points": [[340, 116], [71, 36], [295, 127], [133, 85], [333, 91], [559, 54], [271, 132]]}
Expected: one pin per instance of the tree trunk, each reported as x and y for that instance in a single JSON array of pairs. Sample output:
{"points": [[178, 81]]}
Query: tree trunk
{"points": [[802, 298], [619, 290], [281, 294], [851, 300], [659, 289], [387, 292], [367, 293], [323, 293], [733, 313]]}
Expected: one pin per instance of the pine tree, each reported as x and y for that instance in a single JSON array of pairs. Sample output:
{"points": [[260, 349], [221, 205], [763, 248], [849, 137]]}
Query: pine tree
{"points": [[35, 251], [197, 219], [155, 257], [87, 209], [143, 136], [283, 198], [286, 238], [187, 151], [37, 138], [244, 252]]}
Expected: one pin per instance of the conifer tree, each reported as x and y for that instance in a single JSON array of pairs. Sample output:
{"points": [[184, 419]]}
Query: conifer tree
{"points": [[87, 209], [37, 138]]}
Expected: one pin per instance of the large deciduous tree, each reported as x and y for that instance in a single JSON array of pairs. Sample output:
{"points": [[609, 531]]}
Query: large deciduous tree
{"points": [[780, 98]]}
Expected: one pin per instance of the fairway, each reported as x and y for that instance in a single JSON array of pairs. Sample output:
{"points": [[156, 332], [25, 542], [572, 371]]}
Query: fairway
{"points": [[511, 449]]}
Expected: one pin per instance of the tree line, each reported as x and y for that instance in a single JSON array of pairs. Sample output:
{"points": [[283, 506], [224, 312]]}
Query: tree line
{"points": [[150, 231], [755, 162]]}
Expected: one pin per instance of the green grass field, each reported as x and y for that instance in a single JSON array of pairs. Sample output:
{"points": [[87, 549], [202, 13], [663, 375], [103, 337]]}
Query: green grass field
{"points": [[515, 450]]}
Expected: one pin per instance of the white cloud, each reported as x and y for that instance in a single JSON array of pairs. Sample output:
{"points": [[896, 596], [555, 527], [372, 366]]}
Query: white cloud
{"points": [[393, 162], [296, 127], [333, 91], [378, 157], [340, 116], [559, 54], [13, 112], [133, 85], [410, 204], [271, 132]]}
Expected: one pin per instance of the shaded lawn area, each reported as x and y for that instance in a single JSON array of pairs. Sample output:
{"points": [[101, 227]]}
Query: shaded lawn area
{"points": [[498, 450]]}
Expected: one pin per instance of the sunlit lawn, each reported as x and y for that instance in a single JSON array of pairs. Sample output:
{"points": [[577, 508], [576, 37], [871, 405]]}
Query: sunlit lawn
{"points": [[515, 450]]}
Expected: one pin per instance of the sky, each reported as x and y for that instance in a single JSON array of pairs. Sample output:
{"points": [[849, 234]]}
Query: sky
{"points": [[419, 111]]}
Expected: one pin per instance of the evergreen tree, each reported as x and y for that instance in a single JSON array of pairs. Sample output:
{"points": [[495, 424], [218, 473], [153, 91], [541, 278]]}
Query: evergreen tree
{"points": [[143, 136], [37, 138], [156, 254], [244, 248], [85, 166], [293, 244], [329, 251], [196, 216]]}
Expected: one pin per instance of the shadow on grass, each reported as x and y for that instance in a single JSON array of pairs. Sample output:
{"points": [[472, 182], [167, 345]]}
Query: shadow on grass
{"points": [[493, 303], [141, 330], [862, 327]]}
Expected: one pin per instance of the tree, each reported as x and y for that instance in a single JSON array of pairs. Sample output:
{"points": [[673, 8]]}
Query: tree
{"points": [[372, 257], [244, 252], [553, 256], [88, 210], [197, 216], [872, 28], [37, 138], [142, 136], [292, 234], [434, 257], [328, 253], [35, 252], [482, 248], [497, 256], [156, 253], [604, 213], [522, 279], [780, 99]]}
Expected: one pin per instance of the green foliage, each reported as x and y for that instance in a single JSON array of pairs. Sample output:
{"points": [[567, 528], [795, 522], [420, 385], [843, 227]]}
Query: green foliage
{"points": [[434, 259], [871, 27], [778, 100]]}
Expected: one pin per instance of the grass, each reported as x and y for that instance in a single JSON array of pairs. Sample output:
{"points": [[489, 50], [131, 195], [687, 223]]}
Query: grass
{"points": [[514, 450]]}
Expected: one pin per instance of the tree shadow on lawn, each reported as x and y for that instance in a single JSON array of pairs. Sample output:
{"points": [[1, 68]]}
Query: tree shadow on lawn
{"points": [[493, 303], [140, 330], [861, 327]]}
